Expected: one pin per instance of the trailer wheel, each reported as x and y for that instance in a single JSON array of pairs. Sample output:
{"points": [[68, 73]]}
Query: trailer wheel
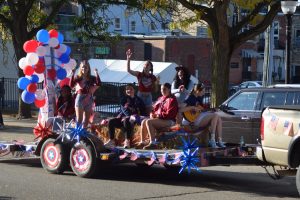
{"points": [[298, 180], [54, 156], [83, 160]]}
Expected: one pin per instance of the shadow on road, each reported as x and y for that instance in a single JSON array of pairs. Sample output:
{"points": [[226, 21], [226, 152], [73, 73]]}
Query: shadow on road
{"points": [[250, 183], [256, 183]]}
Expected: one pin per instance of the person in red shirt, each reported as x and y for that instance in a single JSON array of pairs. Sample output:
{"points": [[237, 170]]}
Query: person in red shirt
{"points": [[85, 85], [163, 115], [65, 103], [146, 80]]}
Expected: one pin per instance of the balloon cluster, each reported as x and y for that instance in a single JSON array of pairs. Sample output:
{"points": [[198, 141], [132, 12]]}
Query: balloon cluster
{"points": [[47, 56]]}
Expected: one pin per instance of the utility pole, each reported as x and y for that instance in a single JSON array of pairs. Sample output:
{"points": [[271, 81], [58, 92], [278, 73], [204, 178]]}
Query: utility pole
{"points": [[266, 58]]}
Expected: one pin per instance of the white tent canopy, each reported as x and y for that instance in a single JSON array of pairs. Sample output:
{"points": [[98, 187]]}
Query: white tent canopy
{"points": [[116, 70]]}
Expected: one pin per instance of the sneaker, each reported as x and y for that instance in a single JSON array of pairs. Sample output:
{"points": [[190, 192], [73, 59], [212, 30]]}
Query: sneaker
{"points": [[212, 143], [221, 144], [126, 144], [110, 144]]}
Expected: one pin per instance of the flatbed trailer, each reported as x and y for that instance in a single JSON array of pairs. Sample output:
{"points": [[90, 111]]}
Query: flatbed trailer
{"points": [[86, 153]]}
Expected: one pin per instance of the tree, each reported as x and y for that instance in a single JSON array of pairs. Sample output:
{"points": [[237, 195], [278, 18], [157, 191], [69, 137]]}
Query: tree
{"points": [[227, 35], [21, 19]]}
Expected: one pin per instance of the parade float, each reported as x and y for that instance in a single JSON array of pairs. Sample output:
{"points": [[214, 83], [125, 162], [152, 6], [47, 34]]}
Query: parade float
{"points": [[59, 143]]}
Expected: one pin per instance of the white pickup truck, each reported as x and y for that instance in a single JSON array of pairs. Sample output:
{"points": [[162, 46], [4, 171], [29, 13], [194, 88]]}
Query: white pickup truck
{"points": [[280, 138]]}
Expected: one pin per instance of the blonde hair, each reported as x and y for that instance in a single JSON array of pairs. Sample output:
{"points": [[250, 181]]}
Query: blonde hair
{"points": [[86, 63]]}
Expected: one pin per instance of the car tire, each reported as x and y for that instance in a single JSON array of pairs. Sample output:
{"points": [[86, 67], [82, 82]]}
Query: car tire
{"points": [[83, 160], [54, 156]]}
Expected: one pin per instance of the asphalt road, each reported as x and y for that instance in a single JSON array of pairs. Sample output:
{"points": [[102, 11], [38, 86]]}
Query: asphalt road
{"points": [[26, 179]]}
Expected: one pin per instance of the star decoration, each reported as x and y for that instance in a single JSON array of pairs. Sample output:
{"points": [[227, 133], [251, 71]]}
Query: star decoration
{"points": [[77, 132], [41, 131], [189, 160]]}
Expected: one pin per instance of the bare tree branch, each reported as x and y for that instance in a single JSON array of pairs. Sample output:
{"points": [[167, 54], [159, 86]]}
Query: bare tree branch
{"points": [[249, 17], [237, 40]]}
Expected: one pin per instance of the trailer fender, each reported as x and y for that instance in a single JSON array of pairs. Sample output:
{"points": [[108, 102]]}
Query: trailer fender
{"points": [[40, 144], [96, 143], [293, 152]]}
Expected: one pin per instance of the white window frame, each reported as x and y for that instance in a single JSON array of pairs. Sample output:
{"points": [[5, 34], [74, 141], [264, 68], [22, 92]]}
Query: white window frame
{"points": [[152, 26], [133, 26], [117, 23]]}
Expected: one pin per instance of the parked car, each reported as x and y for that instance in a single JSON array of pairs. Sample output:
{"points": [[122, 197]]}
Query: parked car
{"points": [[241, 113], [247, 84]]}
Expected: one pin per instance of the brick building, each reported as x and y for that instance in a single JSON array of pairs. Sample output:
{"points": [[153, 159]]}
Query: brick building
{"points": [[192, 52]]}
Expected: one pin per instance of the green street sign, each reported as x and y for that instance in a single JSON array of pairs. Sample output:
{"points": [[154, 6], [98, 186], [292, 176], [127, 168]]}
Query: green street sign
{"points": [[102, 50]]}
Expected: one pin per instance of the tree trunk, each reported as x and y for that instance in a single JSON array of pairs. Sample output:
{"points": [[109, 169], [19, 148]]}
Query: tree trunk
{"points": [[19, 38], [220, 73], [221, 52]]}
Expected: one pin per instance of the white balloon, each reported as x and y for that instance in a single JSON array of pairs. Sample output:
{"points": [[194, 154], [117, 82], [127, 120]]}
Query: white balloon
{"points": [[22, 63], [71, 64], [62, 48], [69, 72], [41, 77], [53, 42], [41, 51], [32, 58], [40, 94], [57, 53]]}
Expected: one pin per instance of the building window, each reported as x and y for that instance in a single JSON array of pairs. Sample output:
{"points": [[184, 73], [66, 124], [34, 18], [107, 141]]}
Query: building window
{"points": [[153, 26], [164, 25], [117, 24], [132, 26], [202, 32], [276, 30], [234, 65]]}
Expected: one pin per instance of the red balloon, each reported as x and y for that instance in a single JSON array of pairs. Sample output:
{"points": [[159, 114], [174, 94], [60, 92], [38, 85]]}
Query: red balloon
{"points": [[30, 46], [32, 87], [41, 60], [66, 81], [28, 70], [39, 68], [51, 73], [53, 33], [39, 103]]}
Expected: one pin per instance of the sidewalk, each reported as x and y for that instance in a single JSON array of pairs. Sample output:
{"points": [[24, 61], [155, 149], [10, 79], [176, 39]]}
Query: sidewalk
{"points": [[17, 129]]}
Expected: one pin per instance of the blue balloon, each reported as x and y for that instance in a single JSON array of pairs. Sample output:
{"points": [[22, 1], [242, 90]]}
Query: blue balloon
{"points": [[43, 36], [27, 97], [68, 51], [23, 82], [34, 78], [60, 38], [64, 58], [61, 73]]}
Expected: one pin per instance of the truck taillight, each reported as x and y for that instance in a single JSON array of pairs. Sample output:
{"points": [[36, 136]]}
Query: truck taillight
{"points": [[262, 130]]}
